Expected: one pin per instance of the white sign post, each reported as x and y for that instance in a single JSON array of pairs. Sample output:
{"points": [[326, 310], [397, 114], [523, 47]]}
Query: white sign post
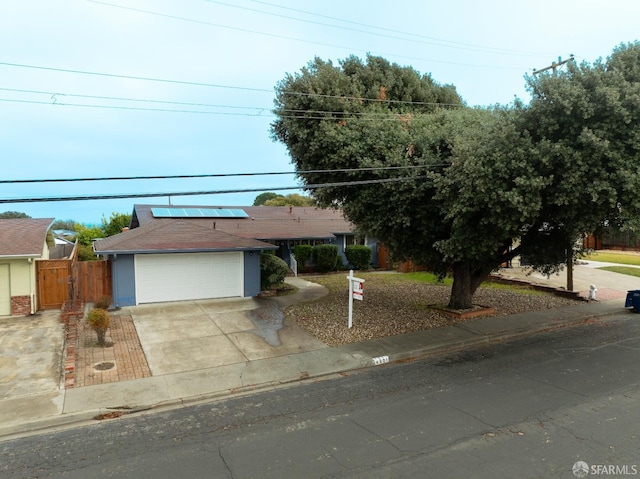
{"points": [[356, 291]]}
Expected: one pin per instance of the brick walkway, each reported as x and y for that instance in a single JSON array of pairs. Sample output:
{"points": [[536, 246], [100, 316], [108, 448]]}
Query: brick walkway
{"points": [[121, 360]]}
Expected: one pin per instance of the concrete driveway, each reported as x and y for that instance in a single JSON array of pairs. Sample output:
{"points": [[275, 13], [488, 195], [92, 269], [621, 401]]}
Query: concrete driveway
{"points": [[610, 285], [31, 367], [194, 335]]}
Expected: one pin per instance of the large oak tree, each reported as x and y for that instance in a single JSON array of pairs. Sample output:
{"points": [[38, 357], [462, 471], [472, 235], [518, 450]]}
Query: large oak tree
{"points": [[475, 187]]}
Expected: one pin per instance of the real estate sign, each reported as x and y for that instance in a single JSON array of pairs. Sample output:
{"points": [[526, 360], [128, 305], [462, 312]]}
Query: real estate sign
{"points": [[356, 291]]}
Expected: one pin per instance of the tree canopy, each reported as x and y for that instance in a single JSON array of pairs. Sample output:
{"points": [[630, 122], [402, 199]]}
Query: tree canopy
{"points": [[69, 225], [115, 224], [293, 199], [473, 187], [13, 214], [264, 197], [86, 235]]}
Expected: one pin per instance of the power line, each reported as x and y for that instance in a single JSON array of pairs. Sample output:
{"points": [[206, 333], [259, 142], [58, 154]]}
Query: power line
{"points": [[422, 39], [56, 94], [131, 108], [134, 77], [283, 37], [212, 85], [320, 115], [216, 175], [198, 193], [56, 97], [217, 25]]}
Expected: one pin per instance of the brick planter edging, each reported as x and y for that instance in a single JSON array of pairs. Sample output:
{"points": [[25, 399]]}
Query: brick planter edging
{"points": [[70, 321], [476, 312]]}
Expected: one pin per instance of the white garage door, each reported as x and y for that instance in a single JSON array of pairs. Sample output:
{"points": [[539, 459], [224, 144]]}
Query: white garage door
{"points": [[185, 276]]}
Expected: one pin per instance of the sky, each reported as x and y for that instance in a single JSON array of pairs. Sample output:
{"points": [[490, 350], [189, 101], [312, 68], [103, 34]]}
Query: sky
{"points": [[135, 88]]}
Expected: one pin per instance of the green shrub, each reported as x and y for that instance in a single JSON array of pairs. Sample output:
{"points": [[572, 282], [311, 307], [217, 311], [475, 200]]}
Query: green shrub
{"points": [[98, 319], [303, 253], [103, 303], [325, 257], [273, 270], [358, 255]]}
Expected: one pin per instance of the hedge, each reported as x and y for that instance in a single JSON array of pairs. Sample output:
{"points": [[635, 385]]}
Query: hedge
{"points": [[273, 270], [303, 253], [325, 257], [358, 255]]}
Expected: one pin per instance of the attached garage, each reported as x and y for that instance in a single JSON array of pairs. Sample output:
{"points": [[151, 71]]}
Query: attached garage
{"points": [[172, 260], [187, 276]]}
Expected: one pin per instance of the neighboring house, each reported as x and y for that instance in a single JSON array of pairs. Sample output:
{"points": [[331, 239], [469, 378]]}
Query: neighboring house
{"points": [[173, 253], [23, 241], [63, 248]]}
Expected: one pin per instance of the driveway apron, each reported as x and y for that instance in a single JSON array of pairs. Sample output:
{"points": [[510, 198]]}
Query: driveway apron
{"points": [[30, 367], [192, 335]]}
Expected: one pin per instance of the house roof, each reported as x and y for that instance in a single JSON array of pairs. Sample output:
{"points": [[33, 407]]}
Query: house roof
{"points": [[175, 235], [263, 222], [23, 236]]}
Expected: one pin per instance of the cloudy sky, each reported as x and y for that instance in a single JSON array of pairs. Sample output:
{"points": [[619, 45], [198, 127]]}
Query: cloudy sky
{"points": [[115, 88]]}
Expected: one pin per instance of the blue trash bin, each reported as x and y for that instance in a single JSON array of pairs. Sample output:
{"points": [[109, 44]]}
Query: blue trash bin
{"points": [[633, 300]]}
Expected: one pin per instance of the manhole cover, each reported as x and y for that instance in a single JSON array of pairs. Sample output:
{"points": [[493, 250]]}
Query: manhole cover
{"points": [[104, 366]]}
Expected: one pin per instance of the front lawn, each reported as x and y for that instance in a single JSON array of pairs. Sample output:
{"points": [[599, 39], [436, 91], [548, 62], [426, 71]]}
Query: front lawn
{"points": [[398, 303], [618, 258], [623, 270]]}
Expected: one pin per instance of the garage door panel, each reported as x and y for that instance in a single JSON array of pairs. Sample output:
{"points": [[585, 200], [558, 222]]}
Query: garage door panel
{"points": [[187, 276]]}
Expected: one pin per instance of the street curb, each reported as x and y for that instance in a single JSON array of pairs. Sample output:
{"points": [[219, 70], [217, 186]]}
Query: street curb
{"points": [[355, 357]]}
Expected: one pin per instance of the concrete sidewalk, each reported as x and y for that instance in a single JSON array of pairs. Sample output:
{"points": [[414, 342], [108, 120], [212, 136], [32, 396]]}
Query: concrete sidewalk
{"points": [[253, 369]]}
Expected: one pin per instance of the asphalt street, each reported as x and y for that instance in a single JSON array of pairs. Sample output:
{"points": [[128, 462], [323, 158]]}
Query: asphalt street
{"points": [[529, 408]]}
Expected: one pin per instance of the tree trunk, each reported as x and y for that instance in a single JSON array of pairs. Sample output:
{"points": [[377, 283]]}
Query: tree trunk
{"points": [[466, 281], [569, 269], [102, 333]]}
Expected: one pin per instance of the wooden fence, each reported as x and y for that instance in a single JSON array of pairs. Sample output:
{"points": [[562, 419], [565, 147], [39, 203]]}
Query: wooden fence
{"points": [[64, 280], [91, 280], [53, 279]]}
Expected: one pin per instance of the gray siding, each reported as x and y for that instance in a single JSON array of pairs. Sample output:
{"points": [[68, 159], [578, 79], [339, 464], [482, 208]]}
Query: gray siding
{"points": [[251, 273], [124, 283]]}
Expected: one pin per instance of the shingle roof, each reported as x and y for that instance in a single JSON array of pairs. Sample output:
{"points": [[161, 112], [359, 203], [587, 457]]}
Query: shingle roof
{"points": [[23, 236], [265, 222], [167, 235]]}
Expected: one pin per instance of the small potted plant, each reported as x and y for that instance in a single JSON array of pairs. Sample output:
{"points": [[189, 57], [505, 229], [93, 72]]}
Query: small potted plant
{"points": [[98, 319]]}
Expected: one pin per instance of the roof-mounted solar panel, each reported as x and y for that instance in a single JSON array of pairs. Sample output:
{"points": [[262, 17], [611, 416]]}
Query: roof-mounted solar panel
{"points": [[198, 213]]}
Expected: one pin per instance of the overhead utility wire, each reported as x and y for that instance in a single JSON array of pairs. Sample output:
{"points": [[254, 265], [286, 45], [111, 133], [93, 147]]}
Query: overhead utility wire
{"points": [[133, 77], [198, 193], [417, 38], [364, 116], [56, 101], [214, 85], [133, 108], [283, 37], [55, 94], [377, 27], [217, 25], [217, 175]]}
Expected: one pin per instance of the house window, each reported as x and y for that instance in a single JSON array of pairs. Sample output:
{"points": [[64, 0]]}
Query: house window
{"points": [[354, 239]]}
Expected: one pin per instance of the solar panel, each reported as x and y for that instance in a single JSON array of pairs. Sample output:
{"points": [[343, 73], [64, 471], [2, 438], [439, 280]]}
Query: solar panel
{"points": [[198, 213]]}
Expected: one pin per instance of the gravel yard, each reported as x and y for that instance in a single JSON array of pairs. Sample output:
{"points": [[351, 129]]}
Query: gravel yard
{"points": [[396, 303]]}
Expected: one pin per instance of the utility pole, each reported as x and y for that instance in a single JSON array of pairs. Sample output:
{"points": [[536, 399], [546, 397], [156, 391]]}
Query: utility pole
{"points": [[554, 65], [569, 251]]}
